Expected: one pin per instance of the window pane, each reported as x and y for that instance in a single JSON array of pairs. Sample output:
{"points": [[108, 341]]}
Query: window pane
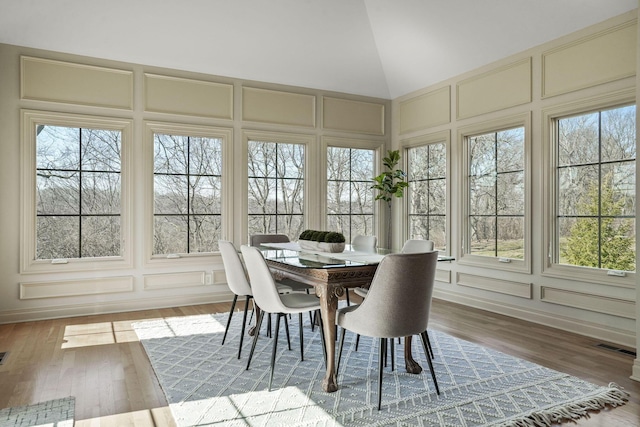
{"points": [[482, 195], [482, 155], [78, 174], [103, 232], [427, 193], [349, 179], [187, 186], [483, 236], [510, 241], [510, 194], [289, 196], [595, 224], [510, 146]]}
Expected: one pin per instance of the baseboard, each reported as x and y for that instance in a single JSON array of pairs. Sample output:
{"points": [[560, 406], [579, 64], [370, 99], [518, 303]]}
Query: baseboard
{"points": [[635, 373], [75, 310], [580, 327]]}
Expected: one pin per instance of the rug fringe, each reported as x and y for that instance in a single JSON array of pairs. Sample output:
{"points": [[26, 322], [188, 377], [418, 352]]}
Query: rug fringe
{"points": [[613, 396]]}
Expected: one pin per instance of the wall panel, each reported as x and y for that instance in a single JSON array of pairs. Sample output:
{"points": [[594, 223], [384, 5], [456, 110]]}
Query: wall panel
{"points": [[591, 302], [284, 108], [518, 289], [57, 81], [67, 288], [425, 111], [352, 116]]}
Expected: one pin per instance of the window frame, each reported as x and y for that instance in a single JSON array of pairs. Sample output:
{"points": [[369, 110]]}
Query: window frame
{"points": [[464, 133], [310, 170], [358, 144], [28, 263], [443, 137], [550, 117], [181, 129]]}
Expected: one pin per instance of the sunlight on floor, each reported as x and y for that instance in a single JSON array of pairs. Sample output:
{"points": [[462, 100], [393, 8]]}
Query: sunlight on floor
{"points": [[157, 417]]}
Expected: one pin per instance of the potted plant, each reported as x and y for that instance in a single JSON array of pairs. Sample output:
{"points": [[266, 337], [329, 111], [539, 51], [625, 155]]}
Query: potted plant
{"points": [[390, 183], [323, 241]]}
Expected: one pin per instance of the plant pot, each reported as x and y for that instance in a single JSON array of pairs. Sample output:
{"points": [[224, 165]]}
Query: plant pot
{"points": [[311, 245]]}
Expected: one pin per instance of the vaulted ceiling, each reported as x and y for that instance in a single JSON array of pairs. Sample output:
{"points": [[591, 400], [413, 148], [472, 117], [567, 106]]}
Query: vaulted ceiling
{"points": [[380, 48]]}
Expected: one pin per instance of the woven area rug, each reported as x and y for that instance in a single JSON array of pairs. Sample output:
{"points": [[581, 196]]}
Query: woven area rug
{"points": [[206, 385], [53, 413]]}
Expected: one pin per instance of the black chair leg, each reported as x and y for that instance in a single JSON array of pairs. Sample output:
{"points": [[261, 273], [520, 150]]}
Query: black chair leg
{"points": [[342, 333], [424, 338], [429, 346], [301, 337], [275, 348], [255, 337], [233, 306], [286, 325], [393, 353], [357, 341], [346, 291], [383, 354], [324, 346], [244, 323]]}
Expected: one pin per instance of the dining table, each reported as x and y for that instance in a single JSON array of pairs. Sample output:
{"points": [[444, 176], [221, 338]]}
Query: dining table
{"points": [[331, 275]]}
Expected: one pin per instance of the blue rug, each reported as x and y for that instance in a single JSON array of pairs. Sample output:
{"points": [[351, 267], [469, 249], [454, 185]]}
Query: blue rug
{"points": [[206, 385]]}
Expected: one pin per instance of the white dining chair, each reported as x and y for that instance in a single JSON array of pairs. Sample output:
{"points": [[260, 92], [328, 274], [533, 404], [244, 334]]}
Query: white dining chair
{"points": [[266, 296], [364, 243], [397, 305], [239, 285]]}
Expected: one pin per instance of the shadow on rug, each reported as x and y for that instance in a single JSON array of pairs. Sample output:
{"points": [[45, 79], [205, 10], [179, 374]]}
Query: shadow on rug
{"points": [[53, 413], [206, 385]]}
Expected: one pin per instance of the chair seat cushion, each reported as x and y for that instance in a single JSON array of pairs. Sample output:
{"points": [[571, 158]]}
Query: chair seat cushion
{"points": [[361, 292], [295, 285], [299, 302], [283, 289]]}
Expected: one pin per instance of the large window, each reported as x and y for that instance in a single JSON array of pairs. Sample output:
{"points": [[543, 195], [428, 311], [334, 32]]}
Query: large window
{"points": [[496, 194], [275, 188], [349, 194], [78, 192], [427, 193], [187, 178], [595, 189]]}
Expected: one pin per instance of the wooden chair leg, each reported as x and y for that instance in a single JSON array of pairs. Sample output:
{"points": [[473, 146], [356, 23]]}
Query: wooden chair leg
{"points": [[233, 306]]}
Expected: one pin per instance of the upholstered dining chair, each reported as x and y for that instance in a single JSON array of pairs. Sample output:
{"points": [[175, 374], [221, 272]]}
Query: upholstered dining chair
{"points": [[364, 243], [239, 285], [397, 305], [265, 294]]}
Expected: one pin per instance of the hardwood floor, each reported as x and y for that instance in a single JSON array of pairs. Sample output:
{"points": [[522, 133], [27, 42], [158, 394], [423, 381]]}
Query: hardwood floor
{"points": [[98, 360]]}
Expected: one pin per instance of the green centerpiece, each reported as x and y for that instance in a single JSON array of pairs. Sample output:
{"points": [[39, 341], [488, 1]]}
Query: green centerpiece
{"points": [[323, 241]]}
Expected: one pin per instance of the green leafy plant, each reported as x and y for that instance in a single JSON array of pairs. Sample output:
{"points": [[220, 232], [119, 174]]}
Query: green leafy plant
{"points": [[390, 183], [334, 237], [322, 236]]}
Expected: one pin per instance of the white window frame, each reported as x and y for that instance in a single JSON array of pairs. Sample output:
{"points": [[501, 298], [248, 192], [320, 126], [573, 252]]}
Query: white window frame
{"points": [[226, 135], [377, 147], [443, 137], [549, 122], [28, 262], [496, 263]]}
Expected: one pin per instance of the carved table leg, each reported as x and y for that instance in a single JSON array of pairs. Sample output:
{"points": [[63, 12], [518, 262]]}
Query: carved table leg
{"points": [[411, 365], [328, 305]]}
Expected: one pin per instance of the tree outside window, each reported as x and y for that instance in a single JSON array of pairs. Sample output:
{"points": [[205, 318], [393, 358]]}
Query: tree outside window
{"points": [[350, 199], [78, 192], [187, 194], [276, 188], [595, 217], [497, 194], [427, 193]]}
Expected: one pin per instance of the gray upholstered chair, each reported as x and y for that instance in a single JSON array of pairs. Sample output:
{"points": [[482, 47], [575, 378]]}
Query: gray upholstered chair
{"points": [[397, 305], [267, 298], [239, 285]]}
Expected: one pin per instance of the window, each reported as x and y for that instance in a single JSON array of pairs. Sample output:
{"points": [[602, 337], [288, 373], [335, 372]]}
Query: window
{"points": [[74, 201], [350, 199], [495, 220], [187, 193], [78, 192], [595, 189], [275, 187], [427, 193]]}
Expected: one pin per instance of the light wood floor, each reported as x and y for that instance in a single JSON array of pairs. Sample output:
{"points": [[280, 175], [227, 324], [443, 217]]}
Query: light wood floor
{"points": [[98, 360]]}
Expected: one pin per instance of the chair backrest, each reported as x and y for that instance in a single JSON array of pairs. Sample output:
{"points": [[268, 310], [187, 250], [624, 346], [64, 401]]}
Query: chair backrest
{"points": [[413, 246], [399, 298], [364, 243], [258, 239], [263, 286], [233, 269]]}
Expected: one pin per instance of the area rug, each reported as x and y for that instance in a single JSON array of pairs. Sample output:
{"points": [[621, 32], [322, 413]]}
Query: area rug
{"points": [[53, 413], [206, 385]]}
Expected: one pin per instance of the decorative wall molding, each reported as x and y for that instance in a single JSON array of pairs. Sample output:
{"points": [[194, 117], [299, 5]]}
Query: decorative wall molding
{"points": [[67, 288], [66, 82], [277, 107], [425, 111], [598, 303], [509, 287], [174, 280], [353, 116]]}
